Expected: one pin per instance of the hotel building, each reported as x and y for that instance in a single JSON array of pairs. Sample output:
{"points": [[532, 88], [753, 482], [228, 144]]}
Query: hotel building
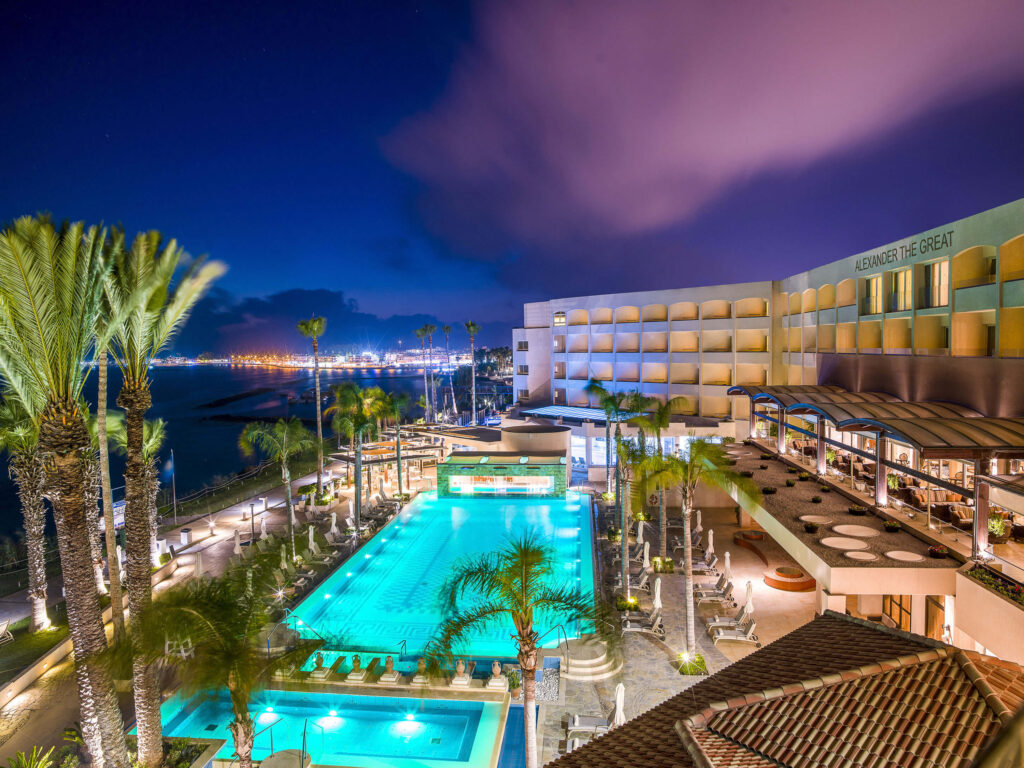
{"points": [[896, 371]]}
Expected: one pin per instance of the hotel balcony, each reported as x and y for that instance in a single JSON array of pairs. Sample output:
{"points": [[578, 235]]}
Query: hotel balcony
{"points": [[655, 325], [716, 324]]}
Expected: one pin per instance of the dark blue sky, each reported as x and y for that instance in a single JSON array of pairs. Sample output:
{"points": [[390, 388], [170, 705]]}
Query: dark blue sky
{"points": [[455, 159]]}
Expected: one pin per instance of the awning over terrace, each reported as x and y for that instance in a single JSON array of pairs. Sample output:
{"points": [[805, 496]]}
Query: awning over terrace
{"points": [[842, 413], [976, 438]]}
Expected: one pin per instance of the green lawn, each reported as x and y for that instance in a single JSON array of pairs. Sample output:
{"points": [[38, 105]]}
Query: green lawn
{"points": [[27, 647]]}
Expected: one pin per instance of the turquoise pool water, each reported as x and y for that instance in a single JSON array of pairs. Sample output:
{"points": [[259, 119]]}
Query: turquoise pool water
{"points": [[357, 731], [387, 593]]}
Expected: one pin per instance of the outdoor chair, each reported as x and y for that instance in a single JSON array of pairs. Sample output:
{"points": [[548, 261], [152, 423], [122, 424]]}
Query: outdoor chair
{"points": [[726, 622], [284, 589], [651, 625], [642, 583], [742, 634], [708, 565], [181, 648], [715, 588], [725, 596], [589, 724], [5, 632]]}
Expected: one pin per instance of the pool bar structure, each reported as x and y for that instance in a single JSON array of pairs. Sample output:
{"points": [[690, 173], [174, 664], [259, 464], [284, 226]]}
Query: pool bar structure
{"points": [[539, 474]]}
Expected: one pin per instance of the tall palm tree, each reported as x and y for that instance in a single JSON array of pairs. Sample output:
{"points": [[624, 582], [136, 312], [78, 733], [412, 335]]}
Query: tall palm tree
{"points": [[107, 497], [631, 457], [612, 403], [638, 404], [706, 463], [222, 619], [51, 285], [472, 329], [511, 585], [395, 405], [154, 433], [657, 420], [313, 329], [19, 435], [358, 412], [429, 329], [421, 334], [447, 329], [147, 329], [281, 442]]}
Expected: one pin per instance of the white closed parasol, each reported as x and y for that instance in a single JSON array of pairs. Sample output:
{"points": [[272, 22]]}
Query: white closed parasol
{"points": [[727, 571], [711, 541], [334, 524], [657, 595], [238, 543], [647, 555], [284, 557], [698, 528], [619, 717], [263, 528], [748, 607], [639, 531], [311, 532]]}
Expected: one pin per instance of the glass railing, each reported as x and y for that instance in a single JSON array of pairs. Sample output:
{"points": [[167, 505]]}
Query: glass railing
{"points": [[901, 301], [972, 282], [871, 305]]}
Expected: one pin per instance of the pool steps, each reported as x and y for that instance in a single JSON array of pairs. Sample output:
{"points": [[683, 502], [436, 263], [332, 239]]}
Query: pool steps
{"points": [[589, 661]]}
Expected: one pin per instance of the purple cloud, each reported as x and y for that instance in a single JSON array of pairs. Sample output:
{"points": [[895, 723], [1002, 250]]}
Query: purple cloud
{"points": [[569, 122]]}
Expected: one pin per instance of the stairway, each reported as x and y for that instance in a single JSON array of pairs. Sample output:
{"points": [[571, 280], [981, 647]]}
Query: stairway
{"points": [[589, 661]]}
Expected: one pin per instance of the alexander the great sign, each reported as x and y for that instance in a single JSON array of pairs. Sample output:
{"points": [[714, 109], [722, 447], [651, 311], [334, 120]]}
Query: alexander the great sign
{"points": [[910, 250]]}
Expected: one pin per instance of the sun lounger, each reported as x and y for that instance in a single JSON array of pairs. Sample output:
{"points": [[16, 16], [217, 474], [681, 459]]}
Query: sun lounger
{"points": [[725, 596], [651, 625], [708, 565], [726, 622], [642, 583], [715, 588], [741, 634], [589, 724], [283, 587]]}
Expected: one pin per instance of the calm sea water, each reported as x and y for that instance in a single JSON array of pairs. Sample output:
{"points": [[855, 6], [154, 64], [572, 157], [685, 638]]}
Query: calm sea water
{"points": [[206, 407]]}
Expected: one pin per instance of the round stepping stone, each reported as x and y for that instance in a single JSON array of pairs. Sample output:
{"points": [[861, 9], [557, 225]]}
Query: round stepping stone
{"points": [[841, 542], [905, 557], [820, 519], [862, 556], [855, 530]]}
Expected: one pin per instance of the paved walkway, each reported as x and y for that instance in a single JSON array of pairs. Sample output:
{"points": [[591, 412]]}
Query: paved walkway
{"points": [[39, 715]]}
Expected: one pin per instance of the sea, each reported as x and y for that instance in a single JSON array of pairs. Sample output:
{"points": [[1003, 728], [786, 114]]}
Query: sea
{"points": [[206, 407]]}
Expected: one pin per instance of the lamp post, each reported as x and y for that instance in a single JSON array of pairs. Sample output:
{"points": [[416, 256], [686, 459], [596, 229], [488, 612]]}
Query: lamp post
{"points": [[252, 523]]}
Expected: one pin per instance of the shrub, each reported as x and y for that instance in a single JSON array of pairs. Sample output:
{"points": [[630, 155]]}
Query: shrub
{"points": [[622, 604], [608, 496], [826, 489], [790, 483], [514, 680], [747, 473], [765, 456], [998, 584], [663, 566], [728, 440], [996, 525], [815, 499], [692, 666], [768, 490], [165, 558], [763, 466], [304, 490], [792, 470], [938, 551], [891, 526], [804, 476], [858, 510], [811, 527], [613, 534]]}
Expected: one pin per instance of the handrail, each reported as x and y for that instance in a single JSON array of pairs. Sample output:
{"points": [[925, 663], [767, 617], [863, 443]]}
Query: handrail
{"points": [[268, 728]]}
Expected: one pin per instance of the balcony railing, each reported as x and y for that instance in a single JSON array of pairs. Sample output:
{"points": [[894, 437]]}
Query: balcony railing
{"points": [[901, 301], [972, 282], [871, 305]]}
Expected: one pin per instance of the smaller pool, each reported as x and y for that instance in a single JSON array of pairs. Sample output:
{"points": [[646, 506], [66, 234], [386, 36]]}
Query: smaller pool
{"points": [[343, 730]]}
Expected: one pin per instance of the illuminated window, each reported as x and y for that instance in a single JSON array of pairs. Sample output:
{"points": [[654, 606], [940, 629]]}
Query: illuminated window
{"points": [[872, 295], [524, 394], [559, 318], [936, 284], [900, 290], [522, 346], [523, 370], [897, 608]]}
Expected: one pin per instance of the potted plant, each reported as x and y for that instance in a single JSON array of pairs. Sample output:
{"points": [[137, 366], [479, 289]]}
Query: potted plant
{"points": [[815, 499], [763, 466], [790, 482], [891, 526], [830, 456], [811, 527], [938, 551], [997, 533], [826, 489], [747, 473], [804, 476], [858, 510], [792, 470], [892, 482], [692, 665], [765, 456], [768, 490], [515, 683]]}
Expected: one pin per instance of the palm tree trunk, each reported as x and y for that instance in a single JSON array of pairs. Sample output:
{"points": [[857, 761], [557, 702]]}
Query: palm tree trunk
{"points": [[451, 386], [87, 717], [662, 526], [92, 497], [608, 454], [63, 435], [426, 390], [691, 632], [625, 539], [286, 474], [398, 449], [135, 400], [528, 669], [319, 422], [433, 384], [242, 730], [472, 376], [110, 535], [29, 477], [359, 480]]}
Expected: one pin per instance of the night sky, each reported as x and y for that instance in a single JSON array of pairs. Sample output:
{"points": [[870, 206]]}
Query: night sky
{"points": [[451, 160]]}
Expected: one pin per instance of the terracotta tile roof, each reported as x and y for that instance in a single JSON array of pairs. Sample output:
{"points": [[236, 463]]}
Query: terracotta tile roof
{"points": [[837, 691]]}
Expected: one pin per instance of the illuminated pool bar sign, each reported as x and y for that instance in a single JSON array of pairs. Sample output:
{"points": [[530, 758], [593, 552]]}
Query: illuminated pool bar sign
{"points": [[541, 474]]}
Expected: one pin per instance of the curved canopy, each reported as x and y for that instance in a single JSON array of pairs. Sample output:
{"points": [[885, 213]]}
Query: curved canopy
{"points": [[970, 437], [773, 393], [841, 413]]}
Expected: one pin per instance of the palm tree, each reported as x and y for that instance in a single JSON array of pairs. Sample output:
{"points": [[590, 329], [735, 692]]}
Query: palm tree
{"points": [[107, 498], [395, 405], [706, 463], [358, 412], [631, 457], [421, 334], [314, 329], [222, 619], [472, 329], [149, 325], [447, 330], [280, 442], [638, 404], [429, 329], [657, 420], [154, 433], [513, 584], [51, 286], [612, 404], [19, 435]]}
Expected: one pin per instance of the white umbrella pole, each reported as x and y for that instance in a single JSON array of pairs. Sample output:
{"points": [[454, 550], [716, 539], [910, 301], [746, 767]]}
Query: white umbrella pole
{"points": [[711, 541]]}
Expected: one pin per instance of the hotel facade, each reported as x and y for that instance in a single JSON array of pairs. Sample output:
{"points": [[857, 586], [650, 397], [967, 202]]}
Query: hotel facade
{"points": [[896, 374]]}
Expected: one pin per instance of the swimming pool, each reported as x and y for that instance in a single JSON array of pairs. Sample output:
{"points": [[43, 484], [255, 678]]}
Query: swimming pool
{"points": [[387, 593], [357, 731]]}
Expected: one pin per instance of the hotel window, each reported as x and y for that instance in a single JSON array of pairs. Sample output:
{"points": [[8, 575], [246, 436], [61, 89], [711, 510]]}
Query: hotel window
{"points": [[872, 295], [936, 284], [522, 346], [899, 290], [524, 394], [559, 319], [897, 608], [523, 370]]}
